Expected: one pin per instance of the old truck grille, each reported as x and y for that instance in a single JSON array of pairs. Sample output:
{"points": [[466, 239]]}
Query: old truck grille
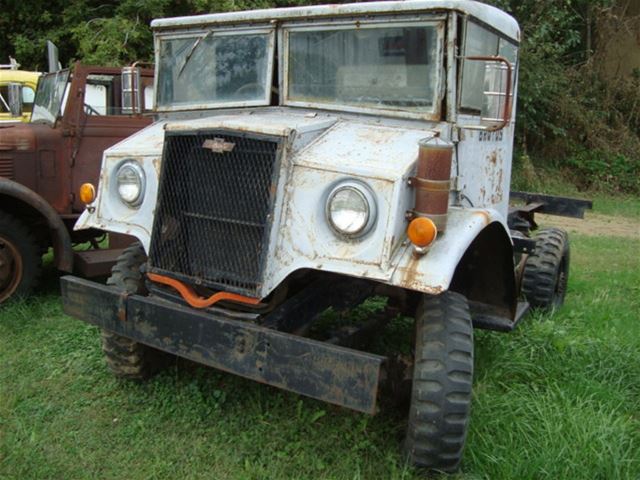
{"points": [[6, 165], [215, 209]]}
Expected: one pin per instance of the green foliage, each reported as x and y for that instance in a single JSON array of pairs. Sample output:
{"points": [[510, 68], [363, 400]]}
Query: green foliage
{"points": [[604, 170], [113, 33], [571, 114]]}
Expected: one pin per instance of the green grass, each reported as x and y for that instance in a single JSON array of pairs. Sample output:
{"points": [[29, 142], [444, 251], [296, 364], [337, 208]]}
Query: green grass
{"points": [[557, 398]]}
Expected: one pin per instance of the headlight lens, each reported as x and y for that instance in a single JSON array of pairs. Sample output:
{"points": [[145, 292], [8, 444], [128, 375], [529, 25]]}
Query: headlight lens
{"points": [[130, 181], [351, 209]]}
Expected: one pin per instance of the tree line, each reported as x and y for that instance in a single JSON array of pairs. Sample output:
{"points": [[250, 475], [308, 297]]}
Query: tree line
{"points": [[572, 116]]}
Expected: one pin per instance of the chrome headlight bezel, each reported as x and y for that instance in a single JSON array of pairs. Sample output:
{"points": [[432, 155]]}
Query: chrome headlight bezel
{"points": [[136, 169], [365, 195]]}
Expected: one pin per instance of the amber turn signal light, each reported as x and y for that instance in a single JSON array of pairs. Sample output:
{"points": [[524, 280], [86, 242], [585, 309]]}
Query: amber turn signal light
{"points": [[422, 232], [87, 193]]}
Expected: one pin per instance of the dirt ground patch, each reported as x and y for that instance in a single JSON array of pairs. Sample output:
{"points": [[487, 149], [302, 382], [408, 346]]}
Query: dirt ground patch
{"points": [[595, 224]]}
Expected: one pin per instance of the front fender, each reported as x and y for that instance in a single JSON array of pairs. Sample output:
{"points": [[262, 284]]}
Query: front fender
{"points": [[434, 271], [63, 254]]}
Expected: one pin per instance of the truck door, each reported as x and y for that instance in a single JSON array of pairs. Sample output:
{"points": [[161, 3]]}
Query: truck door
{"points": [[99, 122]]}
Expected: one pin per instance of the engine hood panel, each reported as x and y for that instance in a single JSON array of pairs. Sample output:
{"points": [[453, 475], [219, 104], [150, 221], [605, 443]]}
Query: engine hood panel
{"points": [[363, 150]]}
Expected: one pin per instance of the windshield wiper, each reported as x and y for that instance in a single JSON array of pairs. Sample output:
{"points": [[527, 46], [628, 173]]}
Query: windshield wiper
{"points": [[193, 49]]}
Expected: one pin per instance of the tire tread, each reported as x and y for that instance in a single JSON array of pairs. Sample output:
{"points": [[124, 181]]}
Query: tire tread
{"points": [[441, 398]]}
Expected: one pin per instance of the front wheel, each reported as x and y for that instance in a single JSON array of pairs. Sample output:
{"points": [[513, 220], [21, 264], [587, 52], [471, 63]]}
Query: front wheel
{"points": [[442, 380], [20, 259], [127, 358]]}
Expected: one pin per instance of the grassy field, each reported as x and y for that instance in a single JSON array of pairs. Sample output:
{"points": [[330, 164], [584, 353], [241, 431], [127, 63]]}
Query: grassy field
{"points": [[558, 398]]}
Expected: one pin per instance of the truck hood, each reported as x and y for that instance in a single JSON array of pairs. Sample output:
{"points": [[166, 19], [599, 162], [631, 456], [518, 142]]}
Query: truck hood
{"points": [[315, 140], [150, 140], [17, 136]]}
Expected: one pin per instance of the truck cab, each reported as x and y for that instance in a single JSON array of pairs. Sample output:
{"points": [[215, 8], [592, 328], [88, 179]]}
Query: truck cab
{"points": [[74, 117], [17, 93], [311, 157]]}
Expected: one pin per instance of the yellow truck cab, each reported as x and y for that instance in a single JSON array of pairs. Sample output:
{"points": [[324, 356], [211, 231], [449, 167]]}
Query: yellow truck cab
{"points": [[17, 93]]}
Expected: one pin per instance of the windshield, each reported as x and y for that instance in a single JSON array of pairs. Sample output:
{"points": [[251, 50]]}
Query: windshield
{"points": [[366, 66], [215, 69], [49, 96]]}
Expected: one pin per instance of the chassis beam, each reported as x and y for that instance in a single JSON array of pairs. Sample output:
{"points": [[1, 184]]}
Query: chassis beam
{"points": [[551, 204], [319, 370]]}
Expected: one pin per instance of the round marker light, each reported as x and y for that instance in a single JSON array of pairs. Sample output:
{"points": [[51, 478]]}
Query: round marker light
{"points": [[422, 231], [130, 181], [351, 209], [87, 193]]}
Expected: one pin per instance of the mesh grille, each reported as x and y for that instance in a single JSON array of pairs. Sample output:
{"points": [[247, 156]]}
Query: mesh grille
{"points": [[214, 210]]}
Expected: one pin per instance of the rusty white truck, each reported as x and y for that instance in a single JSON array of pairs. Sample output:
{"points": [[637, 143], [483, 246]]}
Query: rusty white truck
{"points": [[311, 157]]}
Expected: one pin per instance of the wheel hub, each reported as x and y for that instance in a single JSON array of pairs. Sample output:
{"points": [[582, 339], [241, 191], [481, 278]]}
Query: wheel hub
{"points": [[10, 268]]}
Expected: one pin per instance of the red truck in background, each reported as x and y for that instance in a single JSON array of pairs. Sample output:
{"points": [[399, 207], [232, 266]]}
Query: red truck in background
{"points": [[76, 115]]}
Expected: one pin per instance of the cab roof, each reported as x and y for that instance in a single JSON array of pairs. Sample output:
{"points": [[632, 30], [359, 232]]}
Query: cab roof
{"points": [[487, 14], [19, 76]]}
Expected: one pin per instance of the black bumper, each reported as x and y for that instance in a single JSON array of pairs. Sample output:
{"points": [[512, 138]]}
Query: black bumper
{"points": [[327, 372]]}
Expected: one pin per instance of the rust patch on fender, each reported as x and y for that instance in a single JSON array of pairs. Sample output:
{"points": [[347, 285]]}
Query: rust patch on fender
{"points": [[157, 163], [410, 278], [409, 272], [484, 215]]}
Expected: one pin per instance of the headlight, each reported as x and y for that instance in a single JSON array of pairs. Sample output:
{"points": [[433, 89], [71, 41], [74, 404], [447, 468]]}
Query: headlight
{"points": [[130, 181], [351, 209]]}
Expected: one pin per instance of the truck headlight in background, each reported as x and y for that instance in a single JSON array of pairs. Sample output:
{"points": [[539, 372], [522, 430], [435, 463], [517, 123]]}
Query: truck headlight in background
{"points": [[351, 209], [130, 182]]}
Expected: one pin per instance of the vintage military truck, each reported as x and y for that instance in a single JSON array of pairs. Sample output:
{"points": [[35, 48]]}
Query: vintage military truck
{"points": [[43, 163], [311, 157]]}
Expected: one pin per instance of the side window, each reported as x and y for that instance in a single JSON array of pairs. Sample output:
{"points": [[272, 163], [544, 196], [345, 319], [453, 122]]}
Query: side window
{"points": [[28, 96], [103, 96], [148, 98], [480, 42], [4, 99], [99, 98]]}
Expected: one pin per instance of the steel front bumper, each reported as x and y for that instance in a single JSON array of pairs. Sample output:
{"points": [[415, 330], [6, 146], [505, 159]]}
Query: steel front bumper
{"points": [[327, 372]]}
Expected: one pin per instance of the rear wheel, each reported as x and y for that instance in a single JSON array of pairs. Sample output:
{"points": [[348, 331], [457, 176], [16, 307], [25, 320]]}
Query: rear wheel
{"points": [[442, 381], [127, 358], [546, 270], [20, 259]]}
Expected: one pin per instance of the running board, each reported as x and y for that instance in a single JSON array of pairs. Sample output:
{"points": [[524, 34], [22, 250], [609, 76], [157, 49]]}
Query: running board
{"points": [[485, 319]]}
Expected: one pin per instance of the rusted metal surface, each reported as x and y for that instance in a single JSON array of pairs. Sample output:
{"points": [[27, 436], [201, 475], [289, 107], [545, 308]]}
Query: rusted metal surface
{"points": [[95, 263], [61, 239], [10, 268], [298, 312], [50, 162], [433, 272], [552, 204], [326, 372], [432, 180]]}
